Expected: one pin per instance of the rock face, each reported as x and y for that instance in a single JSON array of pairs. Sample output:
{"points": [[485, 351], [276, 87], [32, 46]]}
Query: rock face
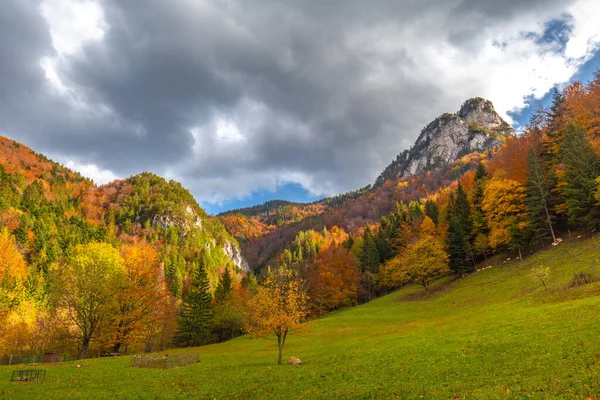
{"points": [[170, 218], [190, 220], [236, 255], [476, 127]]}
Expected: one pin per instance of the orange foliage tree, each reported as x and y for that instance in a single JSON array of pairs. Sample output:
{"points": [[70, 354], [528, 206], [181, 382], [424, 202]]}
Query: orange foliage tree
{"points": [[505, 211], [139, 295], [333, 279], [279, 307]]}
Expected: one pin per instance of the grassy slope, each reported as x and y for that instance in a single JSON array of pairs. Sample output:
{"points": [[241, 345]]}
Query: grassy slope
{"points": [[494, 334]]}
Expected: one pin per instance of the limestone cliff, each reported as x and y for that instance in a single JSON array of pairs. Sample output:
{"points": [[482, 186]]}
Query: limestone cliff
{"points": [[476, 127]]}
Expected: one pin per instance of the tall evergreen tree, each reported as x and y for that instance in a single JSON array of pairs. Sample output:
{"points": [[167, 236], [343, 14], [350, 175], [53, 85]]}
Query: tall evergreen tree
{"points": [[460, 227], [479, 236], [369, 258], [194, 320], [582, 167], [384, 246], [541, 214], [431, 210], [224, 287]]}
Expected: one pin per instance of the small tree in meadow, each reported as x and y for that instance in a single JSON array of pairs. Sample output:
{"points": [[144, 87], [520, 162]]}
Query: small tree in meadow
{"points": [[542, 274], [279, 307]]}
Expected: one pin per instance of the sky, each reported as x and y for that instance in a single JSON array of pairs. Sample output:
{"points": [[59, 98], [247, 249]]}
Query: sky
{"points": [[249, 100]]}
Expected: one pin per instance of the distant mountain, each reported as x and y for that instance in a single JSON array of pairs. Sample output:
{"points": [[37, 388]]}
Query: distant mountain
{"points": [[476, 127], [447, 147]]}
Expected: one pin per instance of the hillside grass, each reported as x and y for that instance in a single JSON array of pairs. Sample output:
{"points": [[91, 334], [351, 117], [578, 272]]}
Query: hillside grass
{"points": [[493, 334]]}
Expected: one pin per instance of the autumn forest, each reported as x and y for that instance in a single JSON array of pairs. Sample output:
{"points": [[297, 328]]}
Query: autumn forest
{"points": [[137, 265]]}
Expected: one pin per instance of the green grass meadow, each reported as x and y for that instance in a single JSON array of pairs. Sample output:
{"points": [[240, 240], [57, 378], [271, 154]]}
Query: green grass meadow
{"points": [[495, 334]]}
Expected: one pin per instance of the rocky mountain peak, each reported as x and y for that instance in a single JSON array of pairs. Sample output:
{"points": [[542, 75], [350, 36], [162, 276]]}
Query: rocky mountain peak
{"points": [[476, 127], [481, 112]]}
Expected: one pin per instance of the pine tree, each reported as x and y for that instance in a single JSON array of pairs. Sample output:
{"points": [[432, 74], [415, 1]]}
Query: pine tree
{"points": [[480, 228], [369, 258], [582, 167], [431, 210], [384, 247], [194, 320], [460, 227], [541, 216], [517, 237], [224, 287]]}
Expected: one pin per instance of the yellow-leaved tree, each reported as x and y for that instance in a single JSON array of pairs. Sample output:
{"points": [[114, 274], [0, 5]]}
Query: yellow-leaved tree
{"points": [[12, 264], [87, 284], [422, 262], [505, 213], [279, 307], [13, 273], [138, 298]]}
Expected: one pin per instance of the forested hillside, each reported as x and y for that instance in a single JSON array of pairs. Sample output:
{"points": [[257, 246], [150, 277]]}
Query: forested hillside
{"points": [[525, 193], [64, 240]]}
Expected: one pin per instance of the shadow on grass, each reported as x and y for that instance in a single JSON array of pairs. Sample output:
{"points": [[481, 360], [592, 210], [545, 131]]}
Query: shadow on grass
{"points": [[435, 291]]}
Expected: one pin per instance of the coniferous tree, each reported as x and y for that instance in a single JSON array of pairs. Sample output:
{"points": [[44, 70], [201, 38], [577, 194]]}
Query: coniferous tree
{"points": [[384, 247], [582, 167], [431, 210], [194, 320], [224, 287], [460, 226], [480, 228], [369, 258], [541, 215]]}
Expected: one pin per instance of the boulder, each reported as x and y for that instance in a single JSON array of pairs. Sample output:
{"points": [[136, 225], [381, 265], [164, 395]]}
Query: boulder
{"points": [[294, 361]]}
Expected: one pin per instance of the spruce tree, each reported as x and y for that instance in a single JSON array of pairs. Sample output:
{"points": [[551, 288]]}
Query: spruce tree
{"points": [[224, 287], [460, 227], [384, 247], [194, 320], [541, 214], [369, 258], [582, 167], [481, 230], [431, 210]]}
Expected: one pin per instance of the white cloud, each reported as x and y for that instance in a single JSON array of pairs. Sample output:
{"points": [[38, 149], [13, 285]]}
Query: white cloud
{"points": [[239, 96], [72, 23], [98, 175]]}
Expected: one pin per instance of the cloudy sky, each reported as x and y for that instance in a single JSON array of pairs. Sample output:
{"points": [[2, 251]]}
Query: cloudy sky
{"points": [[248, 100]]}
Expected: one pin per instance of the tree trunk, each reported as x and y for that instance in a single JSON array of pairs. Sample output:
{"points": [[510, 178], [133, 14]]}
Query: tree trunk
{"points": [[280, 343], [549, 223], [116, 347], [84, 346]]}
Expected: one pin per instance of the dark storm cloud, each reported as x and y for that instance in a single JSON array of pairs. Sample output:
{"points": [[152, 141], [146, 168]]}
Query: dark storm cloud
{"points": [[325, 93]]}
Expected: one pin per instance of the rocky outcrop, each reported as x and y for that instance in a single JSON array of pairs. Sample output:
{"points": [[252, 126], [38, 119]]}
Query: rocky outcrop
{"points": [[476, 127], [235, 254], [189, 220], [170, 218]]}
